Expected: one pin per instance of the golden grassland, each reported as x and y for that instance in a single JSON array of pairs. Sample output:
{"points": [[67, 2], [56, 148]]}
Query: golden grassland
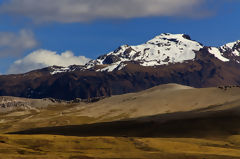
{"points": [[52, 116], [218, 117], [62, 147]]}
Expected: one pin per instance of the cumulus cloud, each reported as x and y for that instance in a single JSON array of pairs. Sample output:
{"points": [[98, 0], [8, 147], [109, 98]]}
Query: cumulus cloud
{"points": [[44, 58], [14, 44], [67, 11]]}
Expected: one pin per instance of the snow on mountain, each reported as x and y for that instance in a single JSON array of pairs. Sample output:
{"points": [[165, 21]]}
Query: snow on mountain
{"points": [[56, 70], [233, 47], [59, 69], [162, 50], [218, 54], [227, 52]]}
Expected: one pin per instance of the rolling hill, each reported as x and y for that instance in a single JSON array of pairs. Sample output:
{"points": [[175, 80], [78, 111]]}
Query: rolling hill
{"points": [[164, 122]]}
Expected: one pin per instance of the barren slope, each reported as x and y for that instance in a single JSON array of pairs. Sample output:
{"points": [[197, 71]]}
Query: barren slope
{"points": [[159, 100]]}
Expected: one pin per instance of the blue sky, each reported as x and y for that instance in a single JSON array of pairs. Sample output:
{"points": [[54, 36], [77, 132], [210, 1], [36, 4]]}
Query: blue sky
{"points": [[212, 22]]}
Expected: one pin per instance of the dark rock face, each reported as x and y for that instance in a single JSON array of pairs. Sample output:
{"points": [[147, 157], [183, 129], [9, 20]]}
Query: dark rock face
{"points": [[111, 59], [204, 71], [187, 37]]}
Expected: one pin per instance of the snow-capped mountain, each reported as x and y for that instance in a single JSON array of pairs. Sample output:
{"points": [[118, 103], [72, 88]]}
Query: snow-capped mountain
{"points": [[162, 50], [231, 48], [227, 52], [167, 58]]}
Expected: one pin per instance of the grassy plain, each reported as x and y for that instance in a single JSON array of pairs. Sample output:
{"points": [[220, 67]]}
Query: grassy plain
{"points": [[62, 147]]}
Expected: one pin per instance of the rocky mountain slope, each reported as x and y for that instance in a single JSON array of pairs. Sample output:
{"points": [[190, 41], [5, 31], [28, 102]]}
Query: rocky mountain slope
{"points": [[9, 104], [168, 58]]}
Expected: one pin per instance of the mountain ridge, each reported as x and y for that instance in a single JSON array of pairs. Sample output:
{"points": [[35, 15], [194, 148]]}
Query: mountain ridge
{"points": [[168, 58], [161, 50]]}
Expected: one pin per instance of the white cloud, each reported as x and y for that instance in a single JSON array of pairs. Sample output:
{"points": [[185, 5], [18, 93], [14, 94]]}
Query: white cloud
{"points": [[67, 11], [14, 44], [44, 58]]}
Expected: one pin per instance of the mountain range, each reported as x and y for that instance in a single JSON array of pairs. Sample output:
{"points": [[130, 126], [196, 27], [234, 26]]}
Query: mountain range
{"points": [[167, 58]]}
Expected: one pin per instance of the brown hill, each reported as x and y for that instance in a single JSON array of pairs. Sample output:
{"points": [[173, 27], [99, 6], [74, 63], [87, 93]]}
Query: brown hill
{"points": [[165, 99]]}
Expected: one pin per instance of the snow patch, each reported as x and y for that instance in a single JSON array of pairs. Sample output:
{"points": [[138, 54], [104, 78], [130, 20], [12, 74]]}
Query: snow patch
{"points": [[121, 66], [59, 70], [216, 52]]}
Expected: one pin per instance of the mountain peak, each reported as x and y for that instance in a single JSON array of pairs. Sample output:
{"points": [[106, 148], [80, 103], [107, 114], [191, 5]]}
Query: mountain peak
{"points": [[164, 49], [227, 52], [233, 47], [170, 37]]}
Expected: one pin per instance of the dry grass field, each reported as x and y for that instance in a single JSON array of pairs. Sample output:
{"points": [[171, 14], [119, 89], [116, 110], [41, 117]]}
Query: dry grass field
{"points": [[62, 147], [165, 122], [163, 99]]}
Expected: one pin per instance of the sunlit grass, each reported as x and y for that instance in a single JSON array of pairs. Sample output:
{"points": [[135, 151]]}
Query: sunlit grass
{"points": [[52, 146]]}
